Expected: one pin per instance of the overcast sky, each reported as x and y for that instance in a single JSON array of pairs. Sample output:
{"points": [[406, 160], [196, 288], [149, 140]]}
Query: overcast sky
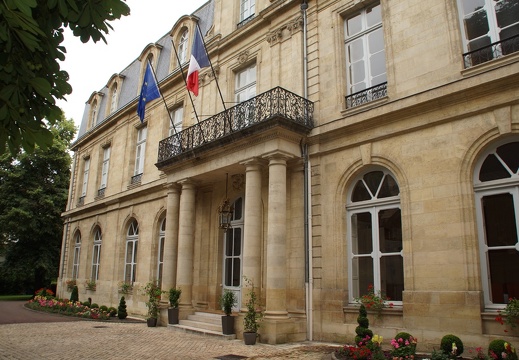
{"points": [[90, 65]]}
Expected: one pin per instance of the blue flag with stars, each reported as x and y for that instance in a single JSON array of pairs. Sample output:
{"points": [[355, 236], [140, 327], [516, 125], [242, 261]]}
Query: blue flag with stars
{"points": [[149, 91]]}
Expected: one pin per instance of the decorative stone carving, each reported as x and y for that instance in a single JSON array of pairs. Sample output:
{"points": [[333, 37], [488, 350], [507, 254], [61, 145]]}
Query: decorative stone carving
{"points": [[238, 181], [285, 31], [243, 56]]}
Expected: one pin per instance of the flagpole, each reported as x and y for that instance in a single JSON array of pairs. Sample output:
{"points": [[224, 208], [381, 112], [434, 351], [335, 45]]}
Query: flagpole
{"points": [[166, 106], [214, 75], [188, 92]]}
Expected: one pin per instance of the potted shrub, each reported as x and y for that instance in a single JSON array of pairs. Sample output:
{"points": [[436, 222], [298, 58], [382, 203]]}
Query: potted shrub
{"points": [[252, 317], [227, 301], [174, 296], [153, 292]]}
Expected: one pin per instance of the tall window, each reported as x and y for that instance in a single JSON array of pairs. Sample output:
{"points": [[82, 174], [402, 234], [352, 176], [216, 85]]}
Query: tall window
{"points": [[176, 115], [245, 87], [160, 254], [375, 236], [247, 9], [94, 113], [106, 165], [182, 47], [365, 53], [140, 151], [484, 22], [496, 184], [96, 254], [113, 103], [86, 170], [132, 240], [77, 251]]}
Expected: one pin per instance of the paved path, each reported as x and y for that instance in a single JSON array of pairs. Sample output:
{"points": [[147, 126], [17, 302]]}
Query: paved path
{"points": [[92, 340]]}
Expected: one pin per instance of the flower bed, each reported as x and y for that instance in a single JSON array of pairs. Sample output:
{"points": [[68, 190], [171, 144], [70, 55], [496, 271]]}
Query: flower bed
{"points": [[66, 307]]}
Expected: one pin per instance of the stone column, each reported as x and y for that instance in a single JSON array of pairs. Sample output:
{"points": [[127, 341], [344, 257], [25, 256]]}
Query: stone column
{"points": [[252, 224], [169, 273], [186, 239], [276, 238]]}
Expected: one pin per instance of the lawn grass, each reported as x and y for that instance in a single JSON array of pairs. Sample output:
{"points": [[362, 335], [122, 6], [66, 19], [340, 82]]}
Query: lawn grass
{"points": [[15, 297]]}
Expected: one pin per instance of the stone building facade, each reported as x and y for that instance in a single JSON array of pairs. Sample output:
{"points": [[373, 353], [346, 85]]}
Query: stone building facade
{"points": [[360, 143]]}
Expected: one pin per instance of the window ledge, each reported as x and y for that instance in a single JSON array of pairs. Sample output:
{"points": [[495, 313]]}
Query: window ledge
{"points": [[396, 310]]}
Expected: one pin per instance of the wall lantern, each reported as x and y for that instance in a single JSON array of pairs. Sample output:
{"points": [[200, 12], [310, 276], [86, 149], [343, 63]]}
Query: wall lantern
{"points": [[225, 210]]}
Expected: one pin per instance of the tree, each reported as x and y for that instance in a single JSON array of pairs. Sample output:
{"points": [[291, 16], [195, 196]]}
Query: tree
{"points": [[33, 194], [31, 80]]}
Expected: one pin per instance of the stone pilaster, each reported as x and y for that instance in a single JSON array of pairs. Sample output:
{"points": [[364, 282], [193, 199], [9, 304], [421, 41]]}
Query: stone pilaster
{"points": [[169, 274]]}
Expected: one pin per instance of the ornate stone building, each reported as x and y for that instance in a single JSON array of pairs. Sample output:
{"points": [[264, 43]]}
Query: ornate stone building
{"points": [[361, 143]]}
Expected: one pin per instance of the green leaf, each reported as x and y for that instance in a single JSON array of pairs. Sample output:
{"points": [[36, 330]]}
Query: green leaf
{"points": [[41, 86]]}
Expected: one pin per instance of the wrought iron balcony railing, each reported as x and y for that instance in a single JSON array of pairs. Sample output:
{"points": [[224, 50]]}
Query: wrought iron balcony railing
{"points": [[101, 192], [277, 103], [81, 200], [245, 21], [492, 51], [136, 179], [364, 96]]}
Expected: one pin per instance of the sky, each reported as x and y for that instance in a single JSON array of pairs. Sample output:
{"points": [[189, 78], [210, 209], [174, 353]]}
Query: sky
{"points": [[91, 65]]}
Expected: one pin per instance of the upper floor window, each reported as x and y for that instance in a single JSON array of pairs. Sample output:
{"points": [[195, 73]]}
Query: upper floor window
{"points": [[182, 47], [176, 116], [245, 85], [374, 224], [86, 170], [490, 29], [496, 185], [106, 165], [96, 254], [94, 113], [77, 252], [247, 10], [365, 56], [140, 151], [113, 103]]}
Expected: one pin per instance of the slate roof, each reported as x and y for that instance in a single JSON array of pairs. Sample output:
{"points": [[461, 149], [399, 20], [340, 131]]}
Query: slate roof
{"points": [[129, 90]]}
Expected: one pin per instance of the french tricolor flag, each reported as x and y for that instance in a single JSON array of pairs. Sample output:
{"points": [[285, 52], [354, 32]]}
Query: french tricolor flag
{"points": [[198, 61]]}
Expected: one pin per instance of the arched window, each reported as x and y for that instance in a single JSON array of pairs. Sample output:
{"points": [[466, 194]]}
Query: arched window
{"points": [[374, 224], [233, 252], [132, 240], [96, 254], [94, 113], [77, 251], [182, 47], [160, 254], [496, 185]]}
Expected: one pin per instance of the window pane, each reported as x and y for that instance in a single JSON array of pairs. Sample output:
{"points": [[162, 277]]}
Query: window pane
{"points": [[390, 230], [377, 64], [354, 25], [469, 6], [228, 243], [492, 169], [504, 267], [376, 41], [476, 25], [509, 154], [238, 204], [355, 50], [479, 44], [389, 188], [499, 220], [374, 15], [228, 272], [363, 269], [392, 276], [161, 251], [237, 242], [361, 233], [236, 272], [360, 193], [373, 180], [507, 12]]}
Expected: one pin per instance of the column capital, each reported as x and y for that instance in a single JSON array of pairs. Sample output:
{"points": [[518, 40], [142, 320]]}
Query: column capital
{"points": [[172, 187], [187, 183], [278, 155], [253, 162]]}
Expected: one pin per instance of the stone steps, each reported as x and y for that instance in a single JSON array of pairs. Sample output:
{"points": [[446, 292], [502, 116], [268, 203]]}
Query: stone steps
{"points": [[202, 323]]}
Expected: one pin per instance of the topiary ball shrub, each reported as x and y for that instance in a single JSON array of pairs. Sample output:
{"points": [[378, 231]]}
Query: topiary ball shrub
{"points": [[447, 345], [85, 303], [121, 310], [112, 311], [103, 308], [94, 306], [498, 347]]}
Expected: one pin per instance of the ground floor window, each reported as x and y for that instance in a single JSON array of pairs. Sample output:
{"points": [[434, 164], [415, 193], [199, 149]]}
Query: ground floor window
{"points": [[132, 241]]}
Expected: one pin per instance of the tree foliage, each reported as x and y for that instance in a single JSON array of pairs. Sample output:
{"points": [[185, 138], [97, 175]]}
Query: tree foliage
{"points": [[33, 194], [31, 79]]}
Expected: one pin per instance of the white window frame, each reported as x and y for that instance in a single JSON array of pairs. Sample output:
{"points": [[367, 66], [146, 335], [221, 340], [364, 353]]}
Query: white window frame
{"points": [[362, 37], [94, 113], [247, 9], [160, 251], [96, 255], [86, 170], [77, 254], [140, 150], [489, 188], [245, 90], [130, 260], [177, 115], [182, 47], [105, 167], [373, 207], [493, 26]]}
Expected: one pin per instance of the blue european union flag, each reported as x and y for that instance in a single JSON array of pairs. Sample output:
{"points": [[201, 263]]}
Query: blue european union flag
{"points": [[149, 91]]}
